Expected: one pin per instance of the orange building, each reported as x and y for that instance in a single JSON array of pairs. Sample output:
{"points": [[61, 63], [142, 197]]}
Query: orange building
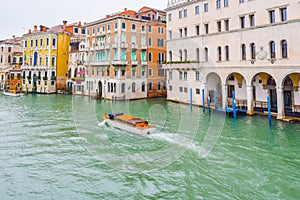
{"points": [[125, 52]]}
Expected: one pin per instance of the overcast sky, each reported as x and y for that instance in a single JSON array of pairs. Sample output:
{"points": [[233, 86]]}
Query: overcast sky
{"points": [[17, 16]]}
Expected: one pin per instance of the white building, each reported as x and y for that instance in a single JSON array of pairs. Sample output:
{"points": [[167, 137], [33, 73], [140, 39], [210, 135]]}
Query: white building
{"points": [[250, 47]]}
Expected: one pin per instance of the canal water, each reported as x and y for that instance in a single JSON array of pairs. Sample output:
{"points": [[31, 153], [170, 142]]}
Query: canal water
{"points": [[57, 147]]}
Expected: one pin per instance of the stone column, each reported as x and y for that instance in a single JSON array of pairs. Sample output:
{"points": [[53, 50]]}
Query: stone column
{"points": [[280, 103], [224, 95], [250, 100]]}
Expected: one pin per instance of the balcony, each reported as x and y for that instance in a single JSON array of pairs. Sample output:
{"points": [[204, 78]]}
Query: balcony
{"points": [[124, 45], [120, 62], [144, 47], [134, 46], [78, 79], [144, 62], [97, 48], [181, 65], [134, 62], [115, 45], [30, 67], [100, 63]]}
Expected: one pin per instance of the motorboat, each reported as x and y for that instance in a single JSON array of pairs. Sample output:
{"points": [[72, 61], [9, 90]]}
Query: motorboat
{"points": [[128, 123], [13, 93]]}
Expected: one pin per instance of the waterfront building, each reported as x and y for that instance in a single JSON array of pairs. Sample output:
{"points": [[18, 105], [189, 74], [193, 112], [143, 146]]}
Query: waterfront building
{"points": [[46, 54], [11, 58], [125, 54], [77, 54], [247, 47]]}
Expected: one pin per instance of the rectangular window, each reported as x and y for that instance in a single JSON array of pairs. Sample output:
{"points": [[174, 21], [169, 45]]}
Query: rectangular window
{"points": [[241, 1], [272, 16], [226, 3], [218, 4], [283, 14], [185, 32], [197, 30], [150, 72], [219, 26], [252, 20], [143, 28], [197, 91], [170, 75], [180, 89], [150, 41], [180, 33], [185, 13], [150, 29], [123, 25], [108, 27], [116, 25], [197, 10], [170, 35], [41, 42], [180, 14], [123, 55], [180, 75], [206, 28], [133, 27], [206, 7], [242, 22], [170, 16], [226, 22]]}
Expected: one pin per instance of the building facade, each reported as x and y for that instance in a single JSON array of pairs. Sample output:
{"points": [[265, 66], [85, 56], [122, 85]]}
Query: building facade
{"points": [[46, 54], [241, 46], [77, 55], [125, 51], [11, 58]]}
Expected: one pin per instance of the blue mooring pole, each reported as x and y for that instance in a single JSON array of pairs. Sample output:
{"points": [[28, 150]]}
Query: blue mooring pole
{"points": [[191, 99], [233, 105], [269, 110], [215, 99], [208, 104], [203, 106]]}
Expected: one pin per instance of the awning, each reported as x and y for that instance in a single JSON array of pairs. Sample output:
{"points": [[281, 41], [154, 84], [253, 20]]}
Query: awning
{"points": [[82, 72]]}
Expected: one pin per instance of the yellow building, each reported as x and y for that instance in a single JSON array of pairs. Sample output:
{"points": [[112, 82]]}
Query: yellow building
{"points": [[46, 54]]}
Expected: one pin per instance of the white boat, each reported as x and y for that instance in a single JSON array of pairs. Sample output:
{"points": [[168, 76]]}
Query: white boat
{"points": [[129, 123], [13, 94]]}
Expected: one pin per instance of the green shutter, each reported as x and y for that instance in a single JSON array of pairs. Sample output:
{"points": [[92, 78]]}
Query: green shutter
{"points": [[103, 69], [143, 69], [123, 68], [116, 69], [108, 69]]}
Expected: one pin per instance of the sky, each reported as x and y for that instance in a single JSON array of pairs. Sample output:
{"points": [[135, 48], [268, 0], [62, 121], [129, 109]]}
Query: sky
{"points": [[17, 16]]}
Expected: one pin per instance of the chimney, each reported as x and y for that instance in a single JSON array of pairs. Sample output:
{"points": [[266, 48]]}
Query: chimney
{"points": [[29, 31], [79, 24], [14, 36], [125, 9], [65, 25], [35, 27]]}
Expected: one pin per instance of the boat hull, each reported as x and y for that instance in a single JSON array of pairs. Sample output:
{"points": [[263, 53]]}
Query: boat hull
{"points": [[131, 129], [13, 94]]}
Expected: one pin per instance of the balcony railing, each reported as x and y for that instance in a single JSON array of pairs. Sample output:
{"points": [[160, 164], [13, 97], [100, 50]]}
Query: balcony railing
{"points": [[134, 46], [124, 45], [100, 63], [181, 65], [144, 47], [115, 45], [134, 62], [120, 62], [144, 62]]}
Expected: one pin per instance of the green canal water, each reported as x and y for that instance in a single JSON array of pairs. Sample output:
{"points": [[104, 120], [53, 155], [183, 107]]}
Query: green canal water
{"points": [[57, 147]]}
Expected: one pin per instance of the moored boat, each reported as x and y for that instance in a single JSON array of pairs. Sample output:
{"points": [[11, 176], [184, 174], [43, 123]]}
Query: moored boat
{"points": [[129, 123], [13, 94]]}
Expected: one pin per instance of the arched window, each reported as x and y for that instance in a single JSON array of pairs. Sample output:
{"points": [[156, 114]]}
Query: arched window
{"points": [[243, 51], [284, 50], [108, 87], [112, 87], [143, 86], [206, 54], [133, 87], [115, 87], [170, 56], [219, 52], [253, 50], [185, 55], [227, 53], [272, 49], [197, 54], [180, 55], [150, 86], [123, 88]]}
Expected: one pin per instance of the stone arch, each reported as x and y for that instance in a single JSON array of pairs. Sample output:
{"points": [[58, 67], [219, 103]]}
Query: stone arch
{"points": [[214, 87]]}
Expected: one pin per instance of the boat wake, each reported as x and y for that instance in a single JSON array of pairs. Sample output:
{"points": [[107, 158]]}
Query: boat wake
{"points": [[179, 140], [101, 124]]}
